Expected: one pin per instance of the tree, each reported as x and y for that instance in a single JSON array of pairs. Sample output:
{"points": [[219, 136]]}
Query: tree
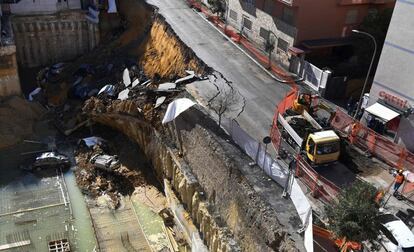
{"points": [[217, 6], [227, 101], [354, 215]]}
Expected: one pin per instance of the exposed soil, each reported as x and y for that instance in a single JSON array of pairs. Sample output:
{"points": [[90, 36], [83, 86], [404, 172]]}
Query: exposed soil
{"points": [[18, 117]]}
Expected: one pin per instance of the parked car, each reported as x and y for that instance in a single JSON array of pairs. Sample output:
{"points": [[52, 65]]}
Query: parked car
{"points": [[50, 159], [106, 162], [396, 236]]}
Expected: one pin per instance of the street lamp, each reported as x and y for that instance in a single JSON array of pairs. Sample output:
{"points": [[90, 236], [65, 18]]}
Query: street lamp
{"points": [[369, 69]]}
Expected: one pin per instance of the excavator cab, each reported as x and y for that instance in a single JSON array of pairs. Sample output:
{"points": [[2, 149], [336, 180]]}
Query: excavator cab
{"points": [[303, 102]]}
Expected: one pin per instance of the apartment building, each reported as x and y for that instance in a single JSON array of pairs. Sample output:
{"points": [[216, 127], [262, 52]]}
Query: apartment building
{"points": [[391, 98], [304, 24]]}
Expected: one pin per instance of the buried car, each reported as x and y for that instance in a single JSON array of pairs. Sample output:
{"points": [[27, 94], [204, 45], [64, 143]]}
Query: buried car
{"points": [[106, 162], [396, 236], [48, 160]]}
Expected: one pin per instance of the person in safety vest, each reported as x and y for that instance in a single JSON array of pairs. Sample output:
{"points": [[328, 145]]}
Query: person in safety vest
{"points": [[398, 181]]}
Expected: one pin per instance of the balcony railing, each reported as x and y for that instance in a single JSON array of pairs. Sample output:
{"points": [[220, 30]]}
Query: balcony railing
{"points": [[6, 35]]}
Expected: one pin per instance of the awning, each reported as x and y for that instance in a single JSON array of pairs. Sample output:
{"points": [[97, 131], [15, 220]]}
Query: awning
{"points": [[328, 42], [382, 112]]}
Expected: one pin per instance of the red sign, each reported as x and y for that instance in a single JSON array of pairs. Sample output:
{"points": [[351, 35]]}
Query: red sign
{"points": [[394, 100]]}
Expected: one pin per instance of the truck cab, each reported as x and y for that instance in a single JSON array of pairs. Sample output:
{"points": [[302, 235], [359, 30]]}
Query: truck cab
{"points": [[323, 147]]}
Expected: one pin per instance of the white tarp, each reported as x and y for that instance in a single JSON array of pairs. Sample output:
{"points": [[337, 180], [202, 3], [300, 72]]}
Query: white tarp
{"points": [[112, 6], [123, 95], [126, 78], [177, 107], [381, 111], [107, 89], [34, 92]]}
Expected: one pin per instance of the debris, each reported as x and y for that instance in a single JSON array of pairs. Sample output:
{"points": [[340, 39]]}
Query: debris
{"points": [[92, 141], [123, 95], [135, 83], [125, 77], [166, 86], [107, 89], [92, 15], [189, 78], [176, 107], [34, 93], [112, 6], [159, 101], [77, 81]]}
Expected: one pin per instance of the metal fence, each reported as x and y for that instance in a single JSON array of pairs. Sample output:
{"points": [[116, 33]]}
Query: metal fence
{"points": [[258, 152]]}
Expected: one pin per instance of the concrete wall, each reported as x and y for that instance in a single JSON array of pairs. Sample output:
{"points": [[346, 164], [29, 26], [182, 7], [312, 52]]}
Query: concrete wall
{"points": [[228, 211], [43, 6], [9, 78], [46, 39], [395, 69]]}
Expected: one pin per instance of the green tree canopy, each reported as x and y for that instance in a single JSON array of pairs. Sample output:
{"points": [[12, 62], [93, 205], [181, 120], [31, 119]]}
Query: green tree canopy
{"points": [[354, 214]]}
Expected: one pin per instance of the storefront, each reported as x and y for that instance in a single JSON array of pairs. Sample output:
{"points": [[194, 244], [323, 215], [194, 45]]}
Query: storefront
{"points": [[386, 114]]}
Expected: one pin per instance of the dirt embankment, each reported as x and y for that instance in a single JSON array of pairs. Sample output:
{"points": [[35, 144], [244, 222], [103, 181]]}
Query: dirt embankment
{"points": [[159, 50], [18, 117]]}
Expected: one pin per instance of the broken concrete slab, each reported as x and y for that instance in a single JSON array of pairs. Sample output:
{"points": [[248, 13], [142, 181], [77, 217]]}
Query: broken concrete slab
{"points": [[125, 77], [135, 83], [159, 101], [123, 95], [189, 78], [166, 86]]}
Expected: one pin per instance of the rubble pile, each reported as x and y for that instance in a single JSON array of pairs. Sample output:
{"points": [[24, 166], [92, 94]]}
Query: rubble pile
{"points": [[97, 182]]}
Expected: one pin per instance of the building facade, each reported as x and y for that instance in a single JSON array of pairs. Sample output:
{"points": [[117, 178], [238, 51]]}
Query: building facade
{"points": [[392, 91], [309, 25]]}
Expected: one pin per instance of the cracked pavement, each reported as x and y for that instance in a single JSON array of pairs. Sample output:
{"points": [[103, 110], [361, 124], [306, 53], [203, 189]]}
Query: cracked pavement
{"points": [[260, 91]]}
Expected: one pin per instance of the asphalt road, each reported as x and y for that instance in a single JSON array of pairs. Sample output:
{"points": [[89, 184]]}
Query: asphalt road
{"points": [[261, 91]]}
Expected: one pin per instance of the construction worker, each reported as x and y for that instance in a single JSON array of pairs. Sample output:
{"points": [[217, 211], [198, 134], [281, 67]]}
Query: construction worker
{"points": [[399, 180]]}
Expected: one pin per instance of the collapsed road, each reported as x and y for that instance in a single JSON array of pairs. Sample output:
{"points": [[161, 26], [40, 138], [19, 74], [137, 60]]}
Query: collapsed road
{"points": [[126, 84]]}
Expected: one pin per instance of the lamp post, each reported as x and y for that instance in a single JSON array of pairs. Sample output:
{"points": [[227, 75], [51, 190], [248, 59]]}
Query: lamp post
{"points": [[369, 69]]}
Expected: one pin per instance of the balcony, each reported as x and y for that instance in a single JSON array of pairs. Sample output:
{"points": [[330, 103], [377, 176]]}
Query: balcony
{"points": [[356, 2]]}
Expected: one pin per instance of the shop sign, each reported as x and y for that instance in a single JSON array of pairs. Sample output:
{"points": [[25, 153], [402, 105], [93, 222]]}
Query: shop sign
{"points": [[394, 101]]}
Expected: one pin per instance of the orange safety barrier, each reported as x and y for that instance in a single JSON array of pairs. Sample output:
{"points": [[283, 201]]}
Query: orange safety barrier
{"points": [[376, 144]]}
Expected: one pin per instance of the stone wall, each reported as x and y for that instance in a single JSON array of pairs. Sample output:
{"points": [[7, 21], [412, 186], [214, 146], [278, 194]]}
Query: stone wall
{"points": [[50, 38], [261, 19], [9, 78]]}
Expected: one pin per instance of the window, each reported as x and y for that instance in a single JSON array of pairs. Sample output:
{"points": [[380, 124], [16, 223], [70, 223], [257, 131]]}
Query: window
{"points": [[288, 15], [247, 23], [311, 144], [233, 15], [327, 148], [351, 17], [264, 33], [282, 44]]}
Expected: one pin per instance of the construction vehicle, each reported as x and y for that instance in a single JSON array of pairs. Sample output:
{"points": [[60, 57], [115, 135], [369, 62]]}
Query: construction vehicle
{"points": [[305, 135], [312, 104]]}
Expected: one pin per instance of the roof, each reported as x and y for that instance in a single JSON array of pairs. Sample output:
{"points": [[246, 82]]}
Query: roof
{"points": [[401, 232], [382, 112], [325, 135]]}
